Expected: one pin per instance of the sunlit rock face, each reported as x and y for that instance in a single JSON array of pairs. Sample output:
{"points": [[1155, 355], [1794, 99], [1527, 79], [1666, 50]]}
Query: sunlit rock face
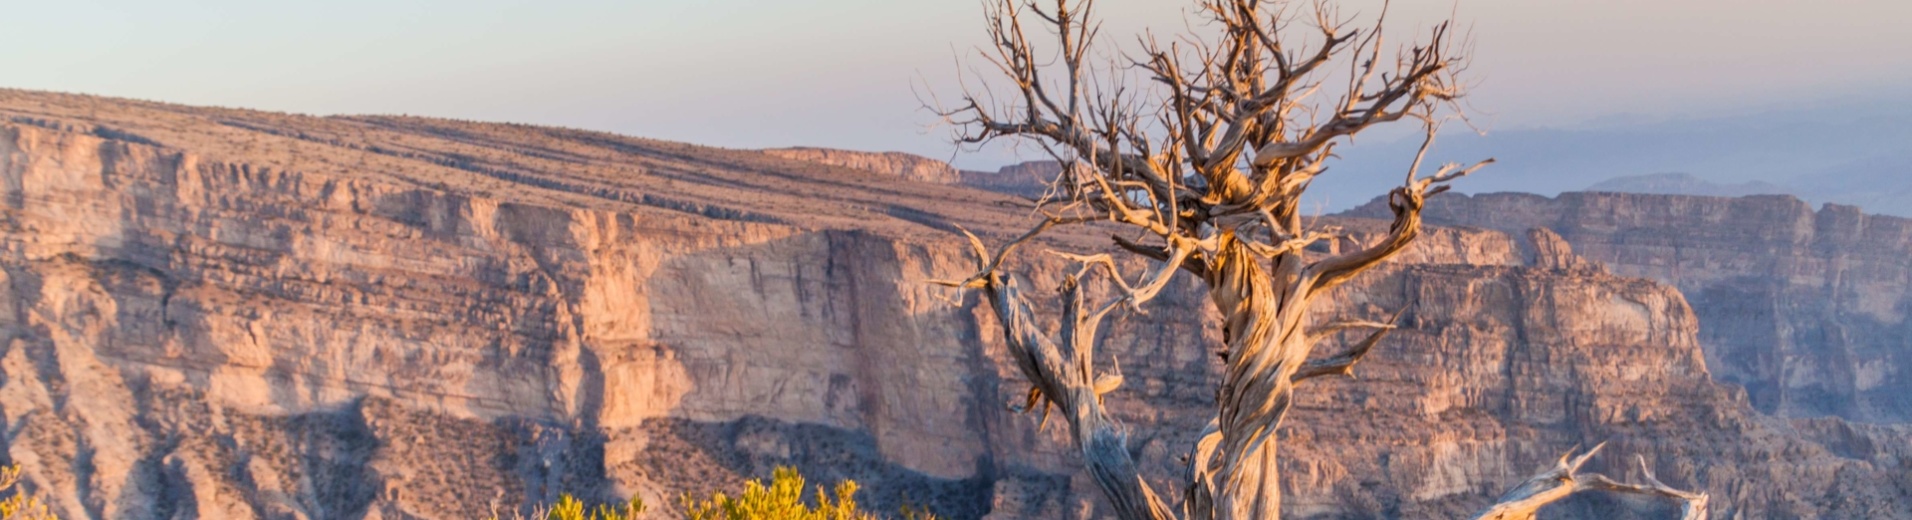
{"points": [[1806, 309], [901, 165], [233, 314]]}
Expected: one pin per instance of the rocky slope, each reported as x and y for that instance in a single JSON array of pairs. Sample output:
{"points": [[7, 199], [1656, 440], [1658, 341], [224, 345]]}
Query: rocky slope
{"points": [[1807, 309], [1026, 179], [903, 165], [234, 314]]}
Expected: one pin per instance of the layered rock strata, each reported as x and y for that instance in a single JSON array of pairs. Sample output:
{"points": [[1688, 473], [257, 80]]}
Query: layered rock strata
{"points": [[902, 165], [1806, 309], [233, 314]]}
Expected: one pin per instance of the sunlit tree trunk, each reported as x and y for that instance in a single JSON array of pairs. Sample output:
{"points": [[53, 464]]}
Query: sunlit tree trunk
{"points": [[1208, 160]]}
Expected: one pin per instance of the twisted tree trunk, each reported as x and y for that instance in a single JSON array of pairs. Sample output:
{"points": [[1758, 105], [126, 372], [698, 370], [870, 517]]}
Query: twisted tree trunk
{"points": [[1062, 375], [1209, 167], [1261, 328]]}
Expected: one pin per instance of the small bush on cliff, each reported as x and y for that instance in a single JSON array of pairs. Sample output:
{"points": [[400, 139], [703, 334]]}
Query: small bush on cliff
{"points": [[781, 499], [20, 505], [570, 508]]}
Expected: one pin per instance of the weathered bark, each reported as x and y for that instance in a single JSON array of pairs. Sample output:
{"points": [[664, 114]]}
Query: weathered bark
{"points": [[1212, 176], [1564, 479], [1264, 351], [1063, 375]]}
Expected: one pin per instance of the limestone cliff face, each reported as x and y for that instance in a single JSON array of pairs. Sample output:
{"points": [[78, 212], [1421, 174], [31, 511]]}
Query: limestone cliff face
{"points": [[1029, 179], [178, 328], [907, 166], [232, 314], [1807, 309]]}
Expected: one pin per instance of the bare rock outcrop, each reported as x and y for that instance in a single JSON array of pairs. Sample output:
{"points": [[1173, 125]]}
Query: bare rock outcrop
{"points": [[1548, 250], [1028, 179], [1807, 309], [249, 315], [903, 165]]}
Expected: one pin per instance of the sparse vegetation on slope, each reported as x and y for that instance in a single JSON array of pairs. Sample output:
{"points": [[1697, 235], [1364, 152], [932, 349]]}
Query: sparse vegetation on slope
{"points": [[20, 504], [781, 499]]}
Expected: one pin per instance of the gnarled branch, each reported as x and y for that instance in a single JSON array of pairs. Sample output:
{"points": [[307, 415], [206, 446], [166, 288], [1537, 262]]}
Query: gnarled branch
{"points": [[1564, 479], [1063, 375], [1205, 163], [1343, 364]]}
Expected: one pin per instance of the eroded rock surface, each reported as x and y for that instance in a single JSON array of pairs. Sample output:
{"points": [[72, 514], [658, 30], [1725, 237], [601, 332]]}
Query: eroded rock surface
{"points": [[903, 165], [1807, 309], [1029, 179], [233, 314]]}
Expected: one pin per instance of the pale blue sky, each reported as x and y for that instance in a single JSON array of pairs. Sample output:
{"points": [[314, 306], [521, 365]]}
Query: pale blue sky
{"points": [[751, 73]]}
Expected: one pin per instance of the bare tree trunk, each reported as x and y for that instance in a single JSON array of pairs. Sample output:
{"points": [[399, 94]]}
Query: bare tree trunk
{"points": [[1064, 376], [1209, 166], [1259, 329]]}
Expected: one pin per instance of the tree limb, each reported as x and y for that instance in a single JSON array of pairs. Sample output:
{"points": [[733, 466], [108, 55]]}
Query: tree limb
{"points": [[1343, 364], [1064, 376], [1222, 138], [1564, 479]]}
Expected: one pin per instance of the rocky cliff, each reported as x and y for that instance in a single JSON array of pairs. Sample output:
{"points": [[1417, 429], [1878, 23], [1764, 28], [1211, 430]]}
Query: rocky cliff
{"points": [[234, 314], [903, 165], [1026, 179], [1806, 309]]}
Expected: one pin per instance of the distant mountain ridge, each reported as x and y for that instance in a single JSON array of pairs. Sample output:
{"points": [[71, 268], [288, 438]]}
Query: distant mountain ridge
{"points": [[1850, 151], [1027, 179], [1881, 185], [908, 166], [1685, 184]]}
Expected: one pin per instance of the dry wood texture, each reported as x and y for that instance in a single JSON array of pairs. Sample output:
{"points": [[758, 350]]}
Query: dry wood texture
{"points": [[1203, 162]]}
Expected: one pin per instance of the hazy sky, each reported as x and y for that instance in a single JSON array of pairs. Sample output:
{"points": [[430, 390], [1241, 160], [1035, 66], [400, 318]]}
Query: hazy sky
{"points": [[751, 73]]}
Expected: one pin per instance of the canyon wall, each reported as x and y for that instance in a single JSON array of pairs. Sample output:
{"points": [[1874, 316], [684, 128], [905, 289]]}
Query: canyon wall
{"points": [[902, 165], [1026, 179], [1806, 309], [388, 318]]}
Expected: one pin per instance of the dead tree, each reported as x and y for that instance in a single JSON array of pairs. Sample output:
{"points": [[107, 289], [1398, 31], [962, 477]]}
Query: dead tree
{"points": [[1564, 479], [1203, 159]]}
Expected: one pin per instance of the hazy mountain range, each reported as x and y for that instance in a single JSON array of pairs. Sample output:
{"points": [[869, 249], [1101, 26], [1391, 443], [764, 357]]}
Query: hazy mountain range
{"points": [[1849, 152], [1686, 184]]}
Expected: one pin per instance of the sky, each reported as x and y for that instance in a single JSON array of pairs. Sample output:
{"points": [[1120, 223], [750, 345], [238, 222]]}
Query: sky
{"points": [[851, 73]]}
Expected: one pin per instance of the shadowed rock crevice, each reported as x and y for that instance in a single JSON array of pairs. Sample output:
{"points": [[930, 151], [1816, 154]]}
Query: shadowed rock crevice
{"points": [[1807, 309]]}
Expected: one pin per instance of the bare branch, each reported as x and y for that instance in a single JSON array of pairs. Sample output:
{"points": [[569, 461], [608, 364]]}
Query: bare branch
{"points": [[1564, 479], [987, 265], [1693, 505], [1406, 202], [1205, 160], [1067, 381], [1160, 254], [1343, 364], [1133, 296]]}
